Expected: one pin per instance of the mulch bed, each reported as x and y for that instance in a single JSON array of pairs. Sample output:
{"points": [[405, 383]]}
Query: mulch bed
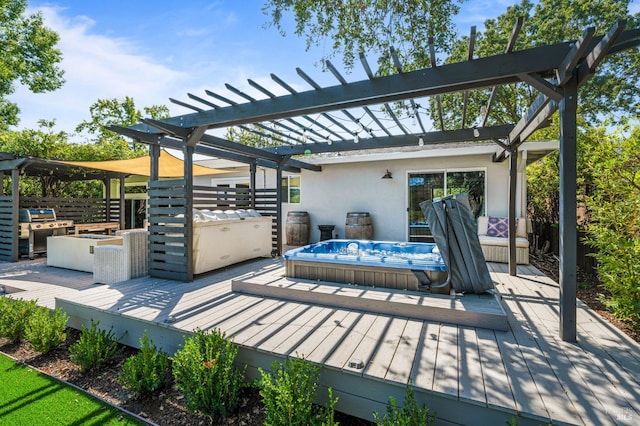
{"points": [[589, 291]]}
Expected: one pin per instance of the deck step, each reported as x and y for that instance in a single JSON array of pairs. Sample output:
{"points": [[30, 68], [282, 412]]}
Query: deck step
{"points": [[474, 310]]}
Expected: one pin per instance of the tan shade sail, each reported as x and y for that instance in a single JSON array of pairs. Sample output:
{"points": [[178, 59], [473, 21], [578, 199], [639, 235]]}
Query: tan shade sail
{"points": [[169, 166]]}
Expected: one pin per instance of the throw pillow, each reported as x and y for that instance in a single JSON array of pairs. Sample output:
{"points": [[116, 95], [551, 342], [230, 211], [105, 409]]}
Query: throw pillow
{"points": [[498, 227]]}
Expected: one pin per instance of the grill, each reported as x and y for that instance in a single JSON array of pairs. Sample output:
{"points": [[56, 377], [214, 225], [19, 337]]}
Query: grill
{"points": [[34, 228]]}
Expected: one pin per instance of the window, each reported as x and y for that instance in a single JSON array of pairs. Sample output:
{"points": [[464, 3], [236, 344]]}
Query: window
{"points": [[291, 189], [432, 185]]}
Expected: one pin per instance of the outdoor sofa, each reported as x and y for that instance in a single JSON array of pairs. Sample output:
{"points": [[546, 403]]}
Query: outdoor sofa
{"points": [[493, 236]]}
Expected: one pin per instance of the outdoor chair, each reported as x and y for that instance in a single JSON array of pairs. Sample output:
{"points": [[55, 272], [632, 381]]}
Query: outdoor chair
{"points": [[114, 263]]}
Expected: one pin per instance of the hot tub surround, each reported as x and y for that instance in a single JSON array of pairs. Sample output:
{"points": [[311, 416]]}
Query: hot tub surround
{"points": [[399, 265]]}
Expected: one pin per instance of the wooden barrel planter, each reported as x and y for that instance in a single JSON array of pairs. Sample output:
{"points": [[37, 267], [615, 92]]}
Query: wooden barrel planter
{"points": [[297, 228], [358, 226]]}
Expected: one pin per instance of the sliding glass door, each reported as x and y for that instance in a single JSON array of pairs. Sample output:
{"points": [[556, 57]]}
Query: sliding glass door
{"points": [[431, 185]]}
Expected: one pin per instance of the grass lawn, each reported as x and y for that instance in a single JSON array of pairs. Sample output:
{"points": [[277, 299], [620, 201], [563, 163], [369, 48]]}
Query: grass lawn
{"points": [[28, 397]]}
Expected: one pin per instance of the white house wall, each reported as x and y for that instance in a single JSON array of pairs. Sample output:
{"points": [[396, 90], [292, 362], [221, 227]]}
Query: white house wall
{"points": [[357, 187], [352, 184]]}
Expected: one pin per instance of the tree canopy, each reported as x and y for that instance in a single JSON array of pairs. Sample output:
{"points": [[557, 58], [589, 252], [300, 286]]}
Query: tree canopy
{"points": [[121, 112], [29, 56], [354, 26], [612, 90], [373, 27]]}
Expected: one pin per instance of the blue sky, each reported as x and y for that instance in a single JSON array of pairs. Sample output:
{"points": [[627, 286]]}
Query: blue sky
{"points": [[154, 50]]}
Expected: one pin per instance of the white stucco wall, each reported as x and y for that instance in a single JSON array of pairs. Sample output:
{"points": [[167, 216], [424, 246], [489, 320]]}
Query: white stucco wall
{"points": [[354, 184], [357, 187]]}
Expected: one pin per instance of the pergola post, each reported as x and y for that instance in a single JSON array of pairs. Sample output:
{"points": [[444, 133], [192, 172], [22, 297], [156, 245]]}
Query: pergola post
{"points": [[15, 194], [188, 190], [279, 210], [122, 204], [107, 199], [154, 167], [253, 168], [568, 232], [513, 178]]}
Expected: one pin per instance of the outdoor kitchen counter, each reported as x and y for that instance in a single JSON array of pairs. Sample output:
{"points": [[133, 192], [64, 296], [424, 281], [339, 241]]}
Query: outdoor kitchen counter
{"points": [[76, 251]]}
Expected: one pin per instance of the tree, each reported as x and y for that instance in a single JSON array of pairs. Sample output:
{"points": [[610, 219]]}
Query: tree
{"points": [[613, 89], [374, 26], [249, 138], [41, 143], [107, 112], [28, 56], [354, 26], [48, 144]]}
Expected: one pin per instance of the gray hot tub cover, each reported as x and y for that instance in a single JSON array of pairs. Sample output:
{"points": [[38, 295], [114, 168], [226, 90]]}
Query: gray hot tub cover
{"points": [[454, 231]]}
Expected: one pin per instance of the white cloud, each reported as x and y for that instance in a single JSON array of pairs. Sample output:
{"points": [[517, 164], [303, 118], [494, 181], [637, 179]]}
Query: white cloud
{"points": [[96, 67]]}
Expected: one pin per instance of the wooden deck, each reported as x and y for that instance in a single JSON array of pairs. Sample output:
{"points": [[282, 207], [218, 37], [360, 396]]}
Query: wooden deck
{"points": [[466, 374]]}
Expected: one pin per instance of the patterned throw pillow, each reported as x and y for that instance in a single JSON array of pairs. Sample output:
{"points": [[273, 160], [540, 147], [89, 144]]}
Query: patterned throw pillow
{"points": [[498, 227]]}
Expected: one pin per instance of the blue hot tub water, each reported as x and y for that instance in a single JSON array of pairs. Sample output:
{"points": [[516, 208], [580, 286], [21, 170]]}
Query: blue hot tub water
{"points": [[421, 256]]}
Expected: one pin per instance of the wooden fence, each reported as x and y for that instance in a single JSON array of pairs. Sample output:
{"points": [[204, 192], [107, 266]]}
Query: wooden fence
{"points": [[8, 229], [80, 210]]}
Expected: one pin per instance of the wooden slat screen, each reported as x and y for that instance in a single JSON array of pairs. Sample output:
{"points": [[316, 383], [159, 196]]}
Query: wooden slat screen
{"points": [[167, 231], [80, 210], [8, 229], [226, 198]]}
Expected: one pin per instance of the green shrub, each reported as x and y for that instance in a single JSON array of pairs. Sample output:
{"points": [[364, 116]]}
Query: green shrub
{"points": [[46, 329], [289, 392], [94, 347], [14, 315], [613, 228], [203, 370], [147, 371], [408, 415]]}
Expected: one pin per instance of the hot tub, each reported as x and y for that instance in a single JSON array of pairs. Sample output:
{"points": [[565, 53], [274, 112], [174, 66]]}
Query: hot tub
{"points": [[399, 265]]}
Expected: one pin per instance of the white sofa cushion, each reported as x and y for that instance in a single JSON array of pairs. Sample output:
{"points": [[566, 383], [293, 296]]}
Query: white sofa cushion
{"points": [[499, 241]]}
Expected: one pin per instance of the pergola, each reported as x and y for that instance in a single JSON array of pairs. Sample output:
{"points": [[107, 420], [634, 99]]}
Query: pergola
{"points": [[300, 122]]}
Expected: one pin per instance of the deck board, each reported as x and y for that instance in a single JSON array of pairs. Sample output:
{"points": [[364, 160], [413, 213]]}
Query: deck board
{"points": [[400, 366], [469, 366], [423, 369], [386, 349], [446, 371], [335, 338], [524, 371], [494, 374], [346, 351]]}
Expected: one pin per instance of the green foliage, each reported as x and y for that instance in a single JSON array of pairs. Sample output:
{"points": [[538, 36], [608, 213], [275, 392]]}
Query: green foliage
{"points": [[29, 56], [289, 392], [147, 371], [612, 89], [248, 138], [46, 329], [14, 316], [94, 347], [108, 112], [410, 414], [354, 26], [204, 371], [614, 226]]}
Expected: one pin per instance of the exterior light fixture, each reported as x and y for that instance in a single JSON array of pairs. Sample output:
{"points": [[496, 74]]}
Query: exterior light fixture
{"points": [[420, 141], [387, 175], [476, 132], [356, 138]]}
